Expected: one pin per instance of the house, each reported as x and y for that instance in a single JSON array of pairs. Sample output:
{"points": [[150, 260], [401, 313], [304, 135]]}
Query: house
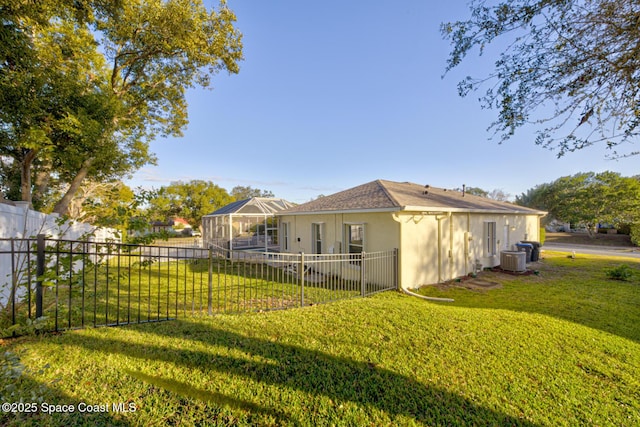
{"points": [[245, 224], [440, 234], [173, 225]]}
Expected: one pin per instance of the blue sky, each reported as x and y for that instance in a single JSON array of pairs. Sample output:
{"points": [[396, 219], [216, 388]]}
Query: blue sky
{"points": [[334, 94]]}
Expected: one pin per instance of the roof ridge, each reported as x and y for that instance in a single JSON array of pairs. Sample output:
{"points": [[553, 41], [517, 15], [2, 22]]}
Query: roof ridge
{"points": [[380, 182]]}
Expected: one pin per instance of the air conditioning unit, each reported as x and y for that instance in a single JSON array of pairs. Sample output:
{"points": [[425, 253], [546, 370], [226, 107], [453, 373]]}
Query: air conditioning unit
{"points": [[513, 260]]}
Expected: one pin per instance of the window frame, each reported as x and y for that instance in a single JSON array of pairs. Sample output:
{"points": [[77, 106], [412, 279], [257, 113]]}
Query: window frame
{"points": [[490, 238], [284, 242], [348, 242], [317, 237]]}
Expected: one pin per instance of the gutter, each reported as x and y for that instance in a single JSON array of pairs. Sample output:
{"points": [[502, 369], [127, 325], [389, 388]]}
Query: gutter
{"points": [[443, 209], [421, 209], [337, 212]]}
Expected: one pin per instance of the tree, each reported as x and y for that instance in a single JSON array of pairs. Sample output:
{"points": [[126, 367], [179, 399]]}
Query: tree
{"points": [[96, 202], [10, 179], [189, 200], [536, 197], [587, 199], [85, 85], [570, 69], [240, 192], [495, 194], [499, 195], [475, 191], [45, 95]]}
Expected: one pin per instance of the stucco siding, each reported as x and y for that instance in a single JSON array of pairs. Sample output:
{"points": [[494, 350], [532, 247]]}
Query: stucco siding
{"points": [[381, 231], [418, 250], [436, 248], [433, 247]]}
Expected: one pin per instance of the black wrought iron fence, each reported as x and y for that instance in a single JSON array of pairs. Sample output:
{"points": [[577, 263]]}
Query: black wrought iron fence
{"points": [[67, 284]]}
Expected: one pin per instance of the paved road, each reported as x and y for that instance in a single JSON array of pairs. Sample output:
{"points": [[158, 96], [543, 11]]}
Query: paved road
{"points": [[596, 250]]}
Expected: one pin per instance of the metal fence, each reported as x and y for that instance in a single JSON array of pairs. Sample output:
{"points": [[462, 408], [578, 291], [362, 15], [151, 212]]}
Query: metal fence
{"points": [[68, 284]]}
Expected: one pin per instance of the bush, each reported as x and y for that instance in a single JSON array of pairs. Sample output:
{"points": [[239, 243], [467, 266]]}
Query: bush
{"points": [[624, 228], [634, 233], [543, 235], [621, 272], [30, 327]]}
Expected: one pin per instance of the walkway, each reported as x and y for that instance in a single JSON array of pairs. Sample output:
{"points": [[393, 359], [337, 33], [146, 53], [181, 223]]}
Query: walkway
{"points": [[594, 250]]}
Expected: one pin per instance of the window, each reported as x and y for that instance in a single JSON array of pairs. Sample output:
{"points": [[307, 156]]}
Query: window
{"points": [[316, 238], [489, 238], [285, 236], [355, 238]]}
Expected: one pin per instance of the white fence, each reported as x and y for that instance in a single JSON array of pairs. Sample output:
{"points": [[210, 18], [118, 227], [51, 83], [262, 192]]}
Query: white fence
{"points": [[20, 222]]}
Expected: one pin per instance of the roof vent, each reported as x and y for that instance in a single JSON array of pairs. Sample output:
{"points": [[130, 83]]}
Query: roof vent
{"points": [[425, 192], [426, 186]]}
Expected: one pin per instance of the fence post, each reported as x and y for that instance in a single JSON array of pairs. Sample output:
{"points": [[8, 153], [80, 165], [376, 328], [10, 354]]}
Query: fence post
{"points": [[363, 284], [40, 264], [14, 285], [210, 280], [396, 260], [301, 278]]}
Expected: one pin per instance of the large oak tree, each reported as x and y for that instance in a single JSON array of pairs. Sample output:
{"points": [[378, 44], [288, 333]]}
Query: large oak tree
{"points": [[569, 68], [86, 85]]}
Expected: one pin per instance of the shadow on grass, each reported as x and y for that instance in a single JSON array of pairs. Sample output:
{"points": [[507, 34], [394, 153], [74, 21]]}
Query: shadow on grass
{"points": [[45, 413], [295, 368], [188, 391]]}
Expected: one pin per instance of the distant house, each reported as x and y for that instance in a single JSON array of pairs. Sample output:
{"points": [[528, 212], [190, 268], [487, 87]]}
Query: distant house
{"points": [[440, 234], [245, 224], [173, 225]]}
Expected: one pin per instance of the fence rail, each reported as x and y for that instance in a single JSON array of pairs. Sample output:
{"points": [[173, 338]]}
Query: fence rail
{"points": [[68, 284]]}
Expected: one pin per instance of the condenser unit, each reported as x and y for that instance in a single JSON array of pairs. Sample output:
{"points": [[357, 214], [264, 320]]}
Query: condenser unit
{"points": [[513, 260]]}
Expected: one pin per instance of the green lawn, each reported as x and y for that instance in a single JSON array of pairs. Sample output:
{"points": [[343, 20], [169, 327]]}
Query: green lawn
{"points": [[558, 348]]}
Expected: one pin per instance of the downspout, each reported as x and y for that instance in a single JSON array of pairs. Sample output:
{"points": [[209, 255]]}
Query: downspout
{"points": [[439, 218], [439, 248], [450, 245], [467, 246], [396, 218]]}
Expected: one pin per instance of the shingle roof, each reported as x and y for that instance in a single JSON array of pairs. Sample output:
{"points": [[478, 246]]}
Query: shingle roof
{"points": [[395, 196]]}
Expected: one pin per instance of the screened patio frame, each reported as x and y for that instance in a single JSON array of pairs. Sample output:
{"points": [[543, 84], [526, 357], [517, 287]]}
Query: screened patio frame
{"points": [[245, 224]]}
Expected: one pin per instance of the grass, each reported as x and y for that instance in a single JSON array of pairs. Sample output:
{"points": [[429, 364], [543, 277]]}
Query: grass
{"points": [[560, 348], [573, 289]]}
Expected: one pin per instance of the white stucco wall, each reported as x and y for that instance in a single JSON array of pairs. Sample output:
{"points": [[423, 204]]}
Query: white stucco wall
{"points": [[381, 231], [429, 255], [433, 247]]}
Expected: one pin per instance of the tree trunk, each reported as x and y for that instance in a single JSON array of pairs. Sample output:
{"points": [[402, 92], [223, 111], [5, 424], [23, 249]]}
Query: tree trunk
{"points": [[41, 184], [62, 205], [25, 175]]}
